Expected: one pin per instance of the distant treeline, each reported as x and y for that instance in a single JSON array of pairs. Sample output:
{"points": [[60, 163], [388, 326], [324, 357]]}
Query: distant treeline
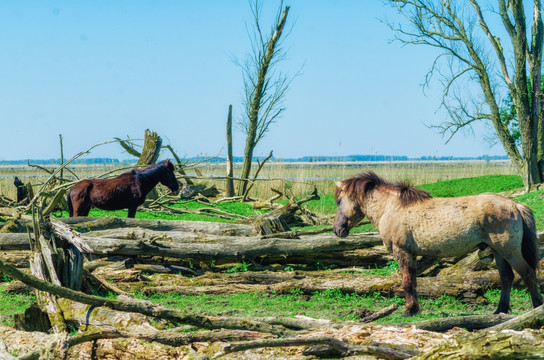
{"points": [[89, 161], [240, 159]]}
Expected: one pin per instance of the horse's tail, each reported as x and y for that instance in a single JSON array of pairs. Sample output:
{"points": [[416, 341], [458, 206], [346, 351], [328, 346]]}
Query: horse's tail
{"points": [[529, 243], [69, 203]]}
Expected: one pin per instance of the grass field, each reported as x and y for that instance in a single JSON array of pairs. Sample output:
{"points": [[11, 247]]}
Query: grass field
{"points": [[333, 304]]}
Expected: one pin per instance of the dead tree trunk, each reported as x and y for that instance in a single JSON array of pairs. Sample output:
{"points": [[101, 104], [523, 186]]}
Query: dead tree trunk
{"points": [[151, 150], [229, 191]]}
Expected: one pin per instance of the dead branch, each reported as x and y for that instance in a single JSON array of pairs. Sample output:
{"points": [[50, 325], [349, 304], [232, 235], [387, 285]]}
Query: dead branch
{"points": [[345, 349], [533, 319], [261, 164], [180, 164], [58, 198], [380, 314], [269, 204]]}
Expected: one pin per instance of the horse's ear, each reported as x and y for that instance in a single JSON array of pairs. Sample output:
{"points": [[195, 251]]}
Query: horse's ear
{"points": [[169, 164], [338, 184]]}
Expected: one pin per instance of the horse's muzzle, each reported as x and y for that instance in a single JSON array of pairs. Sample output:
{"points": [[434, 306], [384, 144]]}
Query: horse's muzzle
{"points": [[340, 231]]}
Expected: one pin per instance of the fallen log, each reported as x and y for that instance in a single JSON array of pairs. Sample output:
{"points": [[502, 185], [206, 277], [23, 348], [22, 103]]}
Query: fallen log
{"points": [[469, 288], [85, 224], [470, 323], [526, 344], [533, 319], [204, 247]]}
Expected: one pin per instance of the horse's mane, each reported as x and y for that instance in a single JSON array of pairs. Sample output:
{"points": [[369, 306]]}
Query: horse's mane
{"points": [[161, 164], [361, 185]]}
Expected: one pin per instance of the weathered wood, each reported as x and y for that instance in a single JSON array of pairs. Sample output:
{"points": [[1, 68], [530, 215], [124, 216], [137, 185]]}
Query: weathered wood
{"points": [[382, 351], [164, 269], [17, 258], [470, 289], [89, 224], [276, 221], [201, 246], [475, 261], [229, 182], [471, 322], [380, 314], [46, 301], [526, 344], [151, 148], [33, 319], [113, 263], [259, 168], [533, 319]]}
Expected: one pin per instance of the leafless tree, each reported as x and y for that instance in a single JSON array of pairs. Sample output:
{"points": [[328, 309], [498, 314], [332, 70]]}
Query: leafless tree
{"points": [[470, 52], [264, 88]]}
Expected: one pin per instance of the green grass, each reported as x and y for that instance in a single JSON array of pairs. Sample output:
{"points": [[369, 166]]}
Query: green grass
{"points": [[535, 201], [243, 209], [11, 304], [332, 304], [474, 185]]}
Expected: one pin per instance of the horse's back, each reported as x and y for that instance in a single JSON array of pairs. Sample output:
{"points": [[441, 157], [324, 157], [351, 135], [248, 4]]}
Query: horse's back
{"points": [[444, 227], [81, 189]]}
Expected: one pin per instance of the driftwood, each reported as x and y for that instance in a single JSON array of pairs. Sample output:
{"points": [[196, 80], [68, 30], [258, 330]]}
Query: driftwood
{"points": [[526, 344]]}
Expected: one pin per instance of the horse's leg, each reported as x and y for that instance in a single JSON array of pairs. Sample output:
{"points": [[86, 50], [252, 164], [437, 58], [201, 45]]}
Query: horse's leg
{"points": [[407, 266], [132, 212], [80, 209], [528, 275], [507, 277]]}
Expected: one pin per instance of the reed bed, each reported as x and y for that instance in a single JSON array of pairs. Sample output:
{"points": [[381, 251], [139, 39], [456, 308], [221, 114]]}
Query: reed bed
{"points": [[294, 179], [300, 178]]}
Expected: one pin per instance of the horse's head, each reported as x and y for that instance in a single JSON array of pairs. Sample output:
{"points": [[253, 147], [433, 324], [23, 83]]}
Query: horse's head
{"points": [[17, 182], [348, 212], [169, 178]]}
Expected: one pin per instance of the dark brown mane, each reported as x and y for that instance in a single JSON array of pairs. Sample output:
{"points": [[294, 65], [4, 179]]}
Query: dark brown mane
{"points": [[361, 185]]}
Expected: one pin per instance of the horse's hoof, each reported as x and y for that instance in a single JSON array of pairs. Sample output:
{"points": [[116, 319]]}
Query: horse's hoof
{"points": [[501, 312], [408, 312]]}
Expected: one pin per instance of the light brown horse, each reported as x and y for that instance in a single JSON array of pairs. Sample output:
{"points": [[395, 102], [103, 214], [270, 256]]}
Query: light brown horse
{"points": [[411, 223]]}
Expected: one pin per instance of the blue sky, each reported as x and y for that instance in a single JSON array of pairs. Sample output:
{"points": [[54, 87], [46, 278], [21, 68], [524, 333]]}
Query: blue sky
{"points": [[95, 70]]}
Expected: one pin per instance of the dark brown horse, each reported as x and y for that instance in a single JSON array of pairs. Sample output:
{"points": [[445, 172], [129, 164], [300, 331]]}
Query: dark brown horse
{"points": [[411, 223], [127, 190]]}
